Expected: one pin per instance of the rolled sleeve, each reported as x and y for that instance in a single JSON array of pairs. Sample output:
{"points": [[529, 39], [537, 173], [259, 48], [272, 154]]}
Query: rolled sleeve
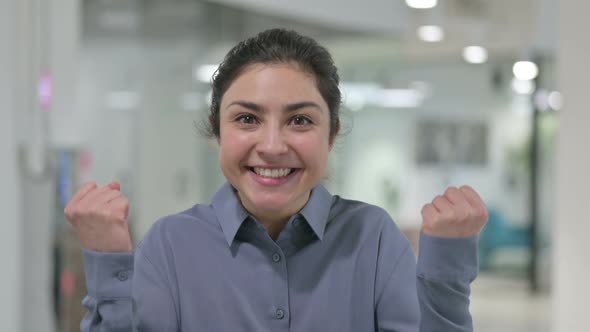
{"points": [[108, 275], [448, 259]]}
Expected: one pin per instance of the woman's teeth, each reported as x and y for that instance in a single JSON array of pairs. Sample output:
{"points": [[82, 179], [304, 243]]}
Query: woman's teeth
{"points": [[272, 173]]}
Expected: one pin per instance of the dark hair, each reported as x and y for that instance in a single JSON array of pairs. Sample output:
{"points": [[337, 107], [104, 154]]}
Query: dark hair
{"points": [[272, 47]]}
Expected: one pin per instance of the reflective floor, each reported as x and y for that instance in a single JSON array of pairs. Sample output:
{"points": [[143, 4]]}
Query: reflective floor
{"points": [[500, 304]]}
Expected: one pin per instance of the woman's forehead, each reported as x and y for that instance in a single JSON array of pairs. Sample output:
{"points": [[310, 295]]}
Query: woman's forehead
{"points": [[268, 71], [273, 83]]}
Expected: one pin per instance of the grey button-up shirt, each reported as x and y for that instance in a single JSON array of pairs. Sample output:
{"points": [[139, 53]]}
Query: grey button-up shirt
{"points": [[338, 265]]}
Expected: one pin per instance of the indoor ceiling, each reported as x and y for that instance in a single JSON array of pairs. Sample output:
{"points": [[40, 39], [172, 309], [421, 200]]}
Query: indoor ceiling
{"points": [[357, 31], [504, 27]]}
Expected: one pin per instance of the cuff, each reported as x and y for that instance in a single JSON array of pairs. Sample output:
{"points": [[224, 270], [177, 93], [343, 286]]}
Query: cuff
{"points": [[448, 259], [108, 275]]}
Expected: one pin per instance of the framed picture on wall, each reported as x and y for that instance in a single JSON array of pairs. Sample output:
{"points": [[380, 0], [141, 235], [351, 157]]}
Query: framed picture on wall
{"points": [[451, 143]]}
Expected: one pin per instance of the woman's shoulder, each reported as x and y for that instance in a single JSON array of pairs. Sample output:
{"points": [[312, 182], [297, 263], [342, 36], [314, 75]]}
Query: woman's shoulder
{"points": [[344, 207], [196, 221], [362, 214], [198, 214], [368, 223]]}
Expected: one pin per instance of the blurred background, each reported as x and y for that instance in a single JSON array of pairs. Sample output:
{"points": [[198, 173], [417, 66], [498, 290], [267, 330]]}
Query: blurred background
{"points": [[436, 93]]}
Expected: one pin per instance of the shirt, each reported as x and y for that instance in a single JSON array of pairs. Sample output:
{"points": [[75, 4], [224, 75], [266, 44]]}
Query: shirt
{"points": [[338, 265]]}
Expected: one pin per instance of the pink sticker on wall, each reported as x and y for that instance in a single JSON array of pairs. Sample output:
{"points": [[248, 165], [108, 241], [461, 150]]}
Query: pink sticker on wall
{"points": [[45, 91]]}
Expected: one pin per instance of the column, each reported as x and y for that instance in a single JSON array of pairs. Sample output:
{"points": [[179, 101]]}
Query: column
{"points": [[10, 233], [571, 230]]}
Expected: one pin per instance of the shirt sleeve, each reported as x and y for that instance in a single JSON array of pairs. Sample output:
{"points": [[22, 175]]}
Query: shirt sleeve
{"points": [[446, 268], [440, 299], [109, 301], [396, 306], [129, 292], [153, 300]]}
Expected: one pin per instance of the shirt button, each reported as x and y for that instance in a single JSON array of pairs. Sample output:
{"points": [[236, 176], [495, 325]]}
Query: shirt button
{"points": [[296, 222], [276, 257], [122, 275], [280, 314]]}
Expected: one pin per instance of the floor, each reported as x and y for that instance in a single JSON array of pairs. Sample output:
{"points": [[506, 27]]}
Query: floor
{"points": [[501, 304]]}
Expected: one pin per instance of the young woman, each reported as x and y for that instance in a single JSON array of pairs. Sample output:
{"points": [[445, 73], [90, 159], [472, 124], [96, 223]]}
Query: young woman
{"points": [[274, 250]]}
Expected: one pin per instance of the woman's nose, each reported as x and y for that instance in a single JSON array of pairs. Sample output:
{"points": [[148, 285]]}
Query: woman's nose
{"points": [[272, 142]]}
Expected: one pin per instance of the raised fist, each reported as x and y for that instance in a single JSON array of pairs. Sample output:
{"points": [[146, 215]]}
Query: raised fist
{"points": [[99, 217], [460, 212]]}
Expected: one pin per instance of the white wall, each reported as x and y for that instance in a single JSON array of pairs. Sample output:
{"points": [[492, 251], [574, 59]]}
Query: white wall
{"points": [[169, 173], [10, 236], [572, 226], [152, 146], [27, 197]]}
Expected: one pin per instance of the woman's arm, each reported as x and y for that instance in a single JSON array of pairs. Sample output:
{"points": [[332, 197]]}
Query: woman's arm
{"points": [[126, 289], [446, 268], [129, 292], [432, 297], [109, 284]]}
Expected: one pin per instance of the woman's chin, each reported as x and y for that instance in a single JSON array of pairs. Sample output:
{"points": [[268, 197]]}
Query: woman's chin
{"points": [[272, 205]]}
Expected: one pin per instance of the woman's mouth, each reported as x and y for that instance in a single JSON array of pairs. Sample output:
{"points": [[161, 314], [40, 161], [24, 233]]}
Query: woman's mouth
{"points": [[274, 173], [272, 176]]}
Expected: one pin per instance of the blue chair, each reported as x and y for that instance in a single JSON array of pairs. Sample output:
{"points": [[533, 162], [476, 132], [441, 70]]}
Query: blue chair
{"points": [[499, 234]]}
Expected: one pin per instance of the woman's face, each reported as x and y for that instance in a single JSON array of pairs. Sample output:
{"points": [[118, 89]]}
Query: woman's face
{"points": [[274, 137]]}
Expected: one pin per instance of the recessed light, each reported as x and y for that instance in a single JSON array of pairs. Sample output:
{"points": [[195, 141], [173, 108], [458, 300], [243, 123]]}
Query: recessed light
{"points": [[525, 70], [475, 54], [421, 4], [431, 33]]}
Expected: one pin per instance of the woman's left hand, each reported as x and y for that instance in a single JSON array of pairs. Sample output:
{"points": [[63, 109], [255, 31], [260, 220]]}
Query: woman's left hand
{"points": [[460, 212]]}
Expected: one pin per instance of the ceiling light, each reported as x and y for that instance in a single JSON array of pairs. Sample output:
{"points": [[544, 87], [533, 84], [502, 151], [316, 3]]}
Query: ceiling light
{"points": [[421, 4], [205, 73], [430, 33], [358, 95], [525, 70], [475, 54], [398, 98]]}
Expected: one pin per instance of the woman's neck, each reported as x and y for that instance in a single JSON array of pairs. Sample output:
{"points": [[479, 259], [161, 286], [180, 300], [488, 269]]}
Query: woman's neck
{"points": [[273, 221], [274, 227]]}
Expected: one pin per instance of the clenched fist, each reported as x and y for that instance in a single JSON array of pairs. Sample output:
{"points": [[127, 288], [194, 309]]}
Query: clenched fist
{"points": [[99, 217], [460, 212]]}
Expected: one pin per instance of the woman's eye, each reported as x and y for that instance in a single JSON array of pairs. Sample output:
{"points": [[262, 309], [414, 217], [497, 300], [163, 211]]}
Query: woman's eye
{"points": [[300, 120], [246, 119]]}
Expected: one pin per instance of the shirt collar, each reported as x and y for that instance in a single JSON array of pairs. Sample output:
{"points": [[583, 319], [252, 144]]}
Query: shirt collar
{"points": [[229, 211], [231, 214], [317, 209]]}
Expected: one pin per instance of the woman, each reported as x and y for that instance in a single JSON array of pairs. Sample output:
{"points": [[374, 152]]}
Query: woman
{"points": [[275, 250]]}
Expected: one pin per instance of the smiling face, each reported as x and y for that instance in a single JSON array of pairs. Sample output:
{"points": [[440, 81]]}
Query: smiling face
{"points": [[274, 138]]}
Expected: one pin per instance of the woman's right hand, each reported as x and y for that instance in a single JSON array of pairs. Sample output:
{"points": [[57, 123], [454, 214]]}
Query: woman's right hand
{"points": [[99, 217]]}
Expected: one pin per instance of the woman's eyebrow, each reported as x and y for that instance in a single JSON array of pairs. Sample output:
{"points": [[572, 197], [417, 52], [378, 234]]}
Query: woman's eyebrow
{"points": [[303, 104], [289, 108], [247, 104]]}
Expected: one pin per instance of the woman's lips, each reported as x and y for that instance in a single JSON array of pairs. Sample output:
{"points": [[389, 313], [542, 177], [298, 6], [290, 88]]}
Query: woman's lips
{"points": [[272, 181]]}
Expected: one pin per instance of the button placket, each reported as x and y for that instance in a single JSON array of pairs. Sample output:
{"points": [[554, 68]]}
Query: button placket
{"points": [[123, 275], [279, 307], [276, 257]]}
